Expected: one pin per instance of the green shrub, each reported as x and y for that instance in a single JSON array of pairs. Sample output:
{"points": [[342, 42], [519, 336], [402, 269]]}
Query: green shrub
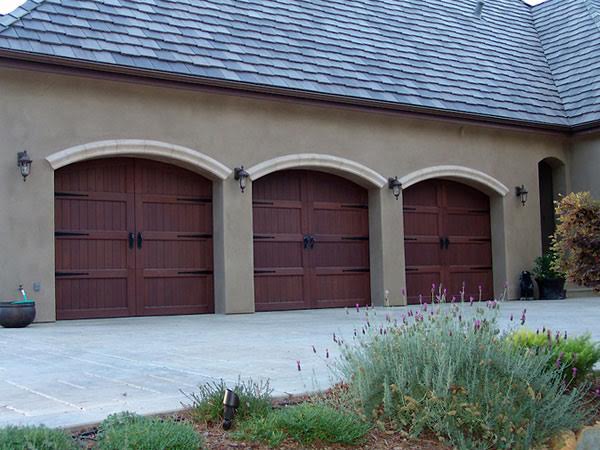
{"points": [[545, 267], [580, 352], [35, 438], [459, 379], [207, 403], [307, 423], [127, 431]]}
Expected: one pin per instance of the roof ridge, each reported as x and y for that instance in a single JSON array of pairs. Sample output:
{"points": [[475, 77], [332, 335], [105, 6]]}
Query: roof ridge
{"points": [[550, 67], [18, 13]]}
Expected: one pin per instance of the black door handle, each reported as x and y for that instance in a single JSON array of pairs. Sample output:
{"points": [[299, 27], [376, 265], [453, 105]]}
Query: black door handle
{"points": [[131, 238], [446, 243], [140, 239], [312, 242], [306, 241]]}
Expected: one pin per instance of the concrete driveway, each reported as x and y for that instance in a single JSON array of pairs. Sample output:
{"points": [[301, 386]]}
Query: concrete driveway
{"points": [[77, 372]]}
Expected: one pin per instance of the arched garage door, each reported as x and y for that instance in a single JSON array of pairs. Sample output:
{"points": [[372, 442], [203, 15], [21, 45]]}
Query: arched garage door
{"points": [[311, 241], [133, 238], [447, 240]]}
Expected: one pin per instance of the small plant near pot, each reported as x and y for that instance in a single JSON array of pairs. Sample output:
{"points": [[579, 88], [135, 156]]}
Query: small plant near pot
{"points": [[550, 281], [17, 313]]}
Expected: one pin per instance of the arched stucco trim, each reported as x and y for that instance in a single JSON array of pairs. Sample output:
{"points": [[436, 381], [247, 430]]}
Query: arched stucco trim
{"points": [[353, 170], [455, 172], [176, 154]]}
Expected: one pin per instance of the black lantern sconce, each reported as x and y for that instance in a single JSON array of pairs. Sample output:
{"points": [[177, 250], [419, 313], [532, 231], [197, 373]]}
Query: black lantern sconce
{"points": [[24, 164], [522, 194], [241, 175], [395, 185], [231, 402]]}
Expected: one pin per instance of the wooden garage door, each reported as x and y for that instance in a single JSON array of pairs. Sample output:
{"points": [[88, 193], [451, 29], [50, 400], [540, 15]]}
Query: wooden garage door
{"points": [[133, 237], [447, 240], [311, 241]]}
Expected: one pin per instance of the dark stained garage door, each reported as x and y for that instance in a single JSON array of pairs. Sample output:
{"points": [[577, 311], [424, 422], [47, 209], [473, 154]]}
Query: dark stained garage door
{"points": [[311, 241], [447, 240], [133, 237]]}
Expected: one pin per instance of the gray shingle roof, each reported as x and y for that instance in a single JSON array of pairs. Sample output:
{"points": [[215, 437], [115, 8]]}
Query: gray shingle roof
{"points": [[570, 34], [431, 54]]}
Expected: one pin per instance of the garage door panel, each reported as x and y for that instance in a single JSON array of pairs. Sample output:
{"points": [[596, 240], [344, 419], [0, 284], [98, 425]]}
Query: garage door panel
{"points": [[472, 279], [470, 253], [419, 282], [133, 237], [340, 253], [277, 254], [90, 254], [171, 293], [338, 290], [423, 223], [171, 215], [330, 219], [468, 224], [340, 220], [277, 219], [447, 224], [279, 292]]}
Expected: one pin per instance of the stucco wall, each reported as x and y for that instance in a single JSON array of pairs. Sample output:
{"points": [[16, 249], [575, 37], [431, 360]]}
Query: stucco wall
{"points": [[46, 113], [585, 164]]}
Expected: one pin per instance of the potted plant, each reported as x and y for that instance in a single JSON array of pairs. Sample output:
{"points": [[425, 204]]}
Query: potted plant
{"points": [[550, 281], [17, 313]]}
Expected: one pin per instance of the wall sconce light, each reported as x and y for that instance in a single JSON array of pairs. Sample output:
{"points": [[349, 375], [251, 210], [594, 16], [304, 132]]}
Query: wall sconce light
{"points": [[522, 194], [241, 175], [395, 185], [24, 164]]}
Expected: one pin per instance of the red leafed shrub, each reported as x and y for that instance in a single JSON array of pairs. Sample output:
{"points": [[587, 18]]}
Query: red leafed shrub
{"points": [[577, 238]]}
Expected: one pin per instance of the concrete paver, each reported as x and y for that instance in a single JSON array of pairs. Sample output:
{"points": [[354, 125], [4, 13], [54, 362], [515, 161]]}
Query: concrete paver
{"points": [[76, 372]]}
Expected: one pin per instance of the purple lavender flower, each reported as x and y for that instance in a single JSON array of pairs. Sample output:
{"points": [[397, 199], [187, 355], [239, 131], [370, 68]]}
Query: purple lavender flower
{"points": [[314, 349], [357, 307], [298, 366], [327, 353], [574, 372], [477, 325], [511, 317], [523, 317]]}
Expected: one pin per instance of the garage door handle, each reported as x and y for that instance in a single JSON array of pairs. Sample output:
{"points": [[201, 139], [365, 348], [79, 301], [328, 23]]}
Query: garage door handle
{"points": [[140, 240], [446, 243], [312, 242], [131, 240]]}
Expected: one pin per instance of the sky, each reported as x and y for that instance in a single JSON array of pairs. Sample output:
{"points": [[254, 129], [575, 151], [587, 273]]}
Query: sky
{"points": [[7, 6]]}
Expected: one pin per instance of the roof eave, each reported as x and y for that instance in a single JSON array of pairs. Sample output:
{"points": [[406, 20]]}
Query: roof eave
{"points": [[81, 67]]}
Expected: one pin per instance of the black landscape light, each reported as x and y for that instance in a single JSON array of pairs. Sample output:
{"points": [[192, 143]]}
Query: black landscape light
{"points": [[231, 402], [241, 175], [522, 193], [24, 164], [395, 185]]}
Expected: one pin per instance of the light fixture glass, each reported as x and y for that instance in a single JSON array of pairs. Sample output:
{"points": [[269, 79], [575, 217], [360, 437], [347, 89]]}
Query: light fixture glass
{"points": [[395, 185], [24, 164], [242, 176], [522, 193]]}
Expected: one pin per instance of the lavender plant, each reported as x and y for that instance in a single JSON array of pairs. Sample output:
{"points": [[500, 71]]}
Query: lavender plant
{"points": [[447, 369]]}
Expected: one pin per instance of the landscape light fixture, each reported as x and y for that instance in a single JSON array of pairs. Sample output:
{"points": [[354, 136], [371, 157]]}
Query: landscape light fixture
{"points": [[241, 175], [395, 185], [522, 194], [24, 164], [231, 402]]}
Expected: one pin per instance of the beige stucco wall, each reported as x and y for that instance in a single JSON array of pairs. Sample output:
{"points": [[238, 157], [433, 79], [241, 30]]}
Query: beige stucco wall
{"points": [[585, 164], [47, 113]]}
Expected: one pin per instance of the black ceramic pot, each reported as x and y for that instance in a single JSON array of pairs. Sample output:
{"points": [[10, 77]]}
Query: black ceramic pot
{"points": [[551, 288], [16, 315]]}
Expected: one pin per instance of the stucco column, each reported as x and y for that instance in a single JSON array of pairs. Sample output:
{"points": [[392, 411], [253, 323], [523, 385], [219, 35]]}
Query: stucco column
{"points": [[233, 245], [386, 238]]}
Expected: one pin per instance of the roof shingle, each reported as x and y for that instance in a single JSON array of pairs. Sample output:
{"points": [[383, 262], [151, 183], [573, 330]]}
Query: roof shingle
{"points": [[421, 53]]}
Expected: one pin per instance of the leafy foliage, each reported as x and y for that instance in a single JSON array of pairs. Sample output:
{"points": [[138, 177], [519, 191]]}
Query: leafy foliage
{"points": [[565, 354], [127, 431], [458, 378], [307, 424], [545, 267], [207, 404], [577, 239], [35, 438]]}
